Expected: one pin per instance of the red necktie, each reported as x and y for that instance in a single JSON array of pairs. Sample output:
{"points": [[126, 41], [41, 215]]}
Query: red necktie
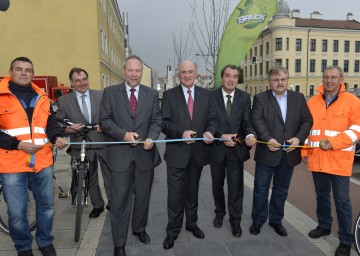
{"points": [[190, 104], [133, 102]]}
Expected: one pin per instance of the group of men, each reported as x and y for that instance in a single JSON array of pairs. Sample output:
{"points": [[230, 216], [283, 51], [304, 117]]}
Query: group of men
{"points": [[203, 127]]}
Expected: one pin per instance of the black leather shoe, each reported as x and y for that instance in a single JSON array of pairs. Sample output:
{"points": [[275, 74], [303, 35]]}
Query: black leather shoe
{"points": [[255, 229], [236, 230], [343, 250], [319, 232], [48, 250], [119, 251], [143, 237], [218, 221], [197, 232], [26, 253], [279, 229], [96, 212], [169, 242]]}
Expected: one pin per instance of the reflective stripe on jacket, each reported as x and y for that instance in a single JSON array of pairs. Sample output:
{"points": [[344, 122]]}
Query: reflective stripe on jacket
{"points": [[14, 121], [340, 123]]}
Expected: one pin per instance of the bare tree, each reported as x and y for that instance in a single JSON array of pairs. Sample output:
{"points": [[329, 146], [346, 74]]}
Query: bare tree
{"points": [[208, 24], [182, 47]]}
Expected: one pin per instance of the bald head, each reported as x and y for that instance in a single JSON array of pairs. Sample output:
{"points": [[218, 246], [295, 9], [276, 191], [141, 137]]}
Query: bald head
{"points": [[187, 73]]}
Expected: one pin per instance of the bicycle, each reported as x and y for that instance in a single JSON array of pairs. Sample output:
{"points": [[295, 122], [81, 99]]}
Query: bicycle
{"points": [[79, 188], [357, 234]]}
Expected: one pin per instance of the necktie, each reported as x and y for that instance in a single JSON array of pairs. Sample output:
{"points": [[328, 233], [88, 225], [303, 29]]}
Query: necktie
{"points": [[133, 102], [190, 104], [228, 105], [85, 108]]}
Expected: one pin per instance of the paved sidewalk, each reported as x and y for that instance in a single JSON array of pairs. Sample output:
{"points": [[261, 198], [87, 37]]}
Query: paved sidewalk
{"points": [[96, 233]]}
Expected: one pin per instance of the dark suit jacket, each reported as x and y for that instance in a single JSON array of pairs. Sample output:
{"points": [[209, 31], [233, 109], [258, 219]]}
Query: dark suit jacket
{"points": [[176, 120], [69, 109], [239, 123], [116, 120], [268, 123]]}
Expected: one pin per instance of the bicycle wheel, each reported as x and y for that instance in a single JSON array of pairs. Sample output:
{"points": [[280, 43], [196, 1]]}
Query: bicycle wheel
{"points": [[357, 234], [79, 205], [4, 226]]}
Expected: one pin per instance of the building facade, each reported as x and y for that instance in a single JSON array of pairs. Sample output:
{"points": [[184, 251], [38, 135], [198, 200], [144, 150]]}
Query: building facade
{"points": [[59, 35], [305, 47]]}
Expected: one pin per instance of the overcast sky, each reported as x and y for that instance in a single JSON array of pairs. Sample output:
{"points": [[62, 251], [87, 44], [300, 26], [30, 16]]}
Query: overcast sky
{"points": [[151, 24]]}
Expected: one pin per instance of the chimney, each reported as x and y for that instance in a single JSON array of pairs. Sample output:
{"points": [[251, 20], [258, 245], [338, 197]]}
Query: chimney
{"points": [[316, 15], [350, 16], [295, 13]]}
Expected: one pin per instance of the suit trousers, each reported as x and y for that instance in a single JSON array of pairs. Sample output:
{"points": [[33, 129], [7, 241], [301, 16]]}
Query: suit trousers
{"points": [[233, 168], [183, 188], [281, 175], [96, 198], [126, 187]]}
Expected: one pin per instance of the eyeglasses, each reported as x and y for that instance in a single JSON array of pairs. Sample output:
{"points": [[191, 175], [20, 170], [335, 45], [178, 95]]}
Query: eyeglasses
{"points": [[279, 80], [331, 78]]}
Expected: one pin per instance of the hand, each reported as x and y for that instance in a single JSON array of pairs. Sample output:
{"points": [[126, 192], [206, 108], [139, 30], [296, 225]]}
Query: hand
{"points": [[273, 145], [98, 128], [294, 142], [227, 140], [28, 147], [325, 144], [250, 140], [148, 144], [188, 134], [208, 138], [131, 137], [60, 143], [305, 159], [74, 128]]}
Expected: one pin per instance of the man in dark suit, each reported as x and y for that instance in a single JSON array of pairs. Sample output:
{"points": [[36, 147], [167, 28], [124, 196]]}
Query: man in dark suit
{"points": [[233, 108], [187, 111], [130, 112], [282, 119], [83, 107]]}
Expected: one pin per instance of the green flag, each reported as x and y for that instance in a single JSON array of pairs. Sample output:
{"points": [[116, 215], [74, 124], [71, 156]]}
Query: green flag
{"points": [[242, 29]]}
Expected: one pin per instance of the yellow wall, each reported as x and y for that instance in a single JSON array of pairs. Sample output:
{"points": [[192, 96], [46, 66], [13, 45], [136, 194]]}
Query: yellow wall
{"points": [[56, 36]]}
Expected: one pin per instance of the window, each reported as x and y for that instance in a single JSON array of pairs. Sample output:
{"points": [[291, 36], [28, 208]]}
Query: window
{"points": [[287, 64], [356, 66], [357, 46], [298, 45], [261, 68], [346, 66], [336, 45], [251, 53], [278, 44], [261, 50], [245, 72], [323, 65], [255, 51], [287, 43], [335, 62], [311, 90], [250, 71], [298, 65], [324, 45], [279, 61], [297, 88], [312, 65], [313, 45], [255, 70], [267, 67], [267, 48], [102, 43], [106, 44], [346, 46]]}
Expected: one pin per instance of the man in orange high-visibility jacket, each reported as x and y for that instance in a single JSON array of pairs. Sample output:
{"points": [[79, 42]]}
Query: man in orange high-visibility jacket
{"points": [[332, 139], [27, 129]]}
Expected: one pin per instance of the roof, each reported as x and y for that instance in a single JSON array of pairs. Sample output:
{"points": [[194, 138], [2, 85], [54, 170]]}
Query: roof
{"points": [[332, 24]]}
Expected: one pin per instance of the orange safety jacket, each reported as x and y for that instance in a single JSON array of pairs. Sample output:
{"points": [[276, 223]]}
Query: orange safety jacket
{"points": [[340, 124], [14, 121]]}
